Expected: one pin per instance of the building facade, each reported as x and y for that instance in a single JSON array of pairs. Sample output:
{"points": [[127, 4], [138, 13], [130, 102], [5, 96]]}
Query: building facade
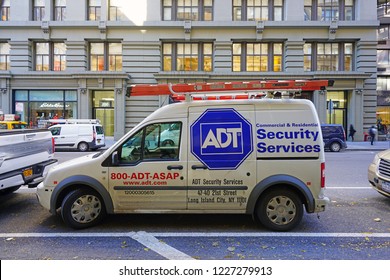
{"points": [[75, 59], [383, 80]]}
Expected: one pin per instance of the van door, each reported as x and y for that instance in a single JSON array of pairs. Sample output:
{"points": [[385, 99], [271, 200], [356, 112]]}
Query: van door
{"points": [[64, 135], [221, 157], [150, 169]]}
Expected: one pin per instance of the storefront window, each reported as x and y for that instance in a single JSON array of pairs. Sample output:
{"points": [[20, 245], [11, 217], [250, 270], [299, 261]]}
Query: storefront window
{"points": [[36, 107]]}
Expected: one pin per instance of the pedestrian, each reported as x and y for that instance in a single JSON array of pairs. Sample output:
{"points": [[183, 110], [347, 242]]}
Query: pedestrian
{"points": [[352, 132], [372, 133]]}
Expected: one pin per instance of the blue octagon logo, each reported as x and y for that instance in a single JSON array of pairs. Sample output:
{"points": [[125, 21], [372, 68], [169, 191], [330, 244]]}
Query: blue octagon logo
{"points": [[221, 139]]}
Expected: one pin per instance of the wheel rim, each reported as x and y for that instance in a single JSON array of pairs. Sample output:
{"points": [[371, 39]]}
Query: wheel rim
{"points": [[83, 147], [86, 208], [281, 210], [335, 147]]}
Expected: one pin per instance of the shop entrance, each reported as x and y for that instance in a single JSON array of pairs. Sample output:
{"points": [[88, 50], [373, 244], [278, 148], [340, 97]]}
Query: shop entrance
{"points": [[103, 109], [337, 108]]}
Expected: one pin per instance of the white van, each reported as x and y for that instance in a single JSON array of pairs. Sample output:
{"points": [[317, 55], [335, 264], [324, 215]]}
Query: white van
{"points": [[80, 134], [263, 158]]}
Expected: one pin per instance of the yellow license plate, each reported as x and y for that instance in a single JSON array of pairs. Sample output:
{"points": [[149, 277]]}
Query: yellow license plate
{"points": [[28, 172]]}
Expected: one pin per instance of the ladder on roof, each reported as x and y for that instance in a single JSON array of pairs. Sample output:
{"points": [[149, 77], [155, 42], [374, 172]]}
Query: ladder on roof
{"points": [[74, 121], [228, 90]]}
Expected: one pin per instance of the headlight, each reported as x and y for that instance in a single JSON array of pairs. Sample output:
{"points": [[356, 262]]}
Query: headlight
{"points": [[376, 160]]}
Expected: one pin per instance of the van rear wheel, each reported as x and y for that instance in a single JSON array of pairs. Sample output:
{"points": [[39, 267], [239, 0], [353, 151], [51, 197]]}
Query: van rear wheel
{"points": [[335, 147], [82, 208], [279, 210], [83, 147]]}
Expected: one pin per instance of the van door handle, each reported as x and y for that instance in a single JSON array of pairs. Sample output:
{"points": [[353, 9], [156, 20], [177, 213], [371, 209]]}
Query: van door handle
{"points": [[204, 167], [171, 167]]}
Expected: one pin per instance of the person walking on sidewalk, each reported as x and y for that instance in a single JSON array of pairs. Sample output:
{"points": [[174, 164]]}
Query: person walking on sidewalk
{"points": [[352, 132], [372, 133]]}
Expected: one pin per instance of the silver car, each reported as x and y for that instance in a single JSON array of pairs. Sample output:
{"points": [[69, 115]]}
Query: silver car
{"points": [[379, 173]]}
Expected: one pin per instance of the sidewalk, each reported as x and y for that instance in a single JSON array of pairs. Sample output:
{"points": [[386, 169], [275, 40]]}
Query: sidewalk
{"points": [[366, 146]]}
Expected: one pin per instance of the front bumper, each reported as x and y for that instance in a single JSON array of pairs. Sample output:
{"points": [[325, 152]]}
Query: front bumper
{"points": [[377, 182]]}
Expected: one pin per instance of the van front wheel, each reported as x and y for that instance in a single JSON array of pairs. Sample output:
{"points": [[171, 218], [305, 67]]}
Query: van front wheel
{"points": [[82, 209], [280, 210]]}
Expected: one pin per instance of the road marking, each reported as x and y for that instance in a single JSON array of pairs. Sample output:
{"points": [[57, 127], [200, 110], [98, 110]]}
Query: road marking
{"points": [[159, 247], [138, 235]]}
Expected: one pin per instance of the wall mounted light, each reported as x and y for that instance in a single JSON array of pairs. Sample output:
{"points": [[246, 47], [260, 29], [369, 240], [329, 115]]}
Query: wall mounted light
{"points": [[83, 90], [3, 90]]}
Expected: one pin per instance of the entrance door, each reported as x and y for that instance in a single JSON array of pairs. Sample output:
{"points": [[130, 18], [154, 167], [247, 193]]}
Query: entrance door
{"points": [[103, 109], [106, 117]]}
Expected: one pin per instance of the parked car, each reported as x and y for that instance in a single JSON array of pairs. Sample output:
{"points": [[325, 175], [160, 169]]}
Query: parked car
{"points": [[8, 125], [80, 134], [334, 137], [379, 173]]}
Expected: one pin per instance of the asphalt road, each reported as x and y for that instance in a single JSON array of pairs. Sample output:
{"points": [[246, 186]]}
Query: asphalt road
{"points": [[356, 226]]}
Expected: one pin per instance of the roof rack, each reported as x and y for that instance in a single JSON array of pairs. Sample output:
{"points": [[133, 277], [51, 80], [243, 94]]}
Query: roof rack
{"points": [[74, 121], [228, 90]]}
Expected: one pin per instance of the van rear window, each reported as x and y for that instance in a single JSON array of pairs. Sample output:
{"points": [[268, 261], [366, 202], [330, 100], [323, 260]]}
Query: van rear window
{"points": [[99, 130]]}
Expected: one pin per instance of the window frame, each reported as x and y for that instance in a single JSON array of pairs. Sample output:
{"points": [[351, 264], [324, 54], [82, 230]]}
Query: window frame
{"points": [[106, 57], [341, 56], [39, 11], [343, 7], [170, 10], [51, 56], [5, 9], [268, 51], [94, 13], [59, 12], [268, 6], [5, 58], [202, 56]]}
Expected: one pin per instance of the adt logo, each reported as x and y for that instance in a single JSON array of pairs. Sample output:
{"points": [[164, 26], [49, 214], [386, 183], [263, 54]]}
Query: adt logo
{"points": [[221, 138]]}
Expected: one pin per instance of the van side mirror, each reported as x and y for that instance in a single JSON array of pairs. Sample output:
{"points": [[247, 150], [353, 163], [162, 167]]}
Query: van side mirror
{"points": [[115, 159]]}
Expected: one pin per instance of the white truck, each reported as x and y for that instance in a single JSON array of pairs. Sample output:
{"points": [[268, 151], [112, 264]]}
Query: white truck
{"points": [[25, 158]]}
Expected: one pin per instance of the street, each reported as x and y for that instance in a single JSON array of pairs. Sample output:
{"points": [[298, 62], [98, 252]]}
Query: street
{"points": [[355, 226]]}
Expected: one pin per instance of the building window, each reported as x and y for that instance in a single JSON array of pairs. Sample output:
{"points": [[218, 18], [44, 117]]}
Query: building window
{"points": [[39, 10], [105, 56], [383, 57], [257, 10], [4, 56], [50, 56], [5, 10], [197, 10], [383, 33], [261, 57], [60, 10], [187, 57], [383, 8], [94, 10], [116, 10], [36, 107], [329, 10], [328, 56]]}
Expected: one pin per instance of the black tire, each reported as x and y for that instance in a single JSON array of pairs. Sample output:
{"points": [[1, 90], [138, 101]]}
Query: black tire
{"points": [[335, 147], [82, 208], [279, 210], [83, 147]]}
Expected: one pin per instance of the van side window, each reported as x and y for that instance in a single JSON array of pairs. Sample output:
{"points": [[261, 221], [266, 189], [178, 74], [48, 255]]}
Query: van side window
{"points": [[55, 131], [159, 141]]}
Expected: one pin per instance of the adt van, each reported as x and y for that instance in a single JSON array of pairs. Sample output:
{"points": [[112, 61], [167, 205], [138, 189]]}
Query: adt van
{"points": [[263, 158]]}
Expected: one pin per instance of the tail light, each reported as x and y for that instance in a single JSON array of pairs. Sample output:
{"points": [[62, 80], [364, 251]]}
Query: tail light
{"points": [[94, 136], [53, 144], [323, 175]]}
